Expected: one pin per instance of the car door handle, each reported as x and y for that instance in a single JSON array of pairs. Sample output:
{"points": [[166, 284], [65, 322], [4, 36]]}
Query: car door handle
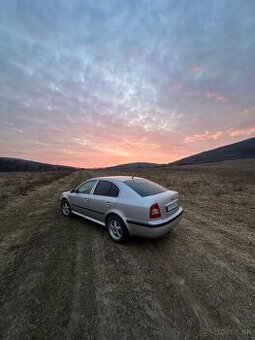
{"points": [[108, 203], [86, 199]]}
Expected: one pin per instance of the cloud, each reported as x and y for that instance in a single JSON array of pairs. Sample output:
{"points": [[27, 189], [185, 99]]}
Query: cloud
{"points": [[216, 96], [240, 132], [196, 69], [203, 136], [219, 134], [96, 83]]}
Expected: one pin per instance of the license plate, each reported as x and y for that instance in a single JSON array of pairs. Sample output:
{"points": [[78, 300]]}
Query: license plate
{"points": [[171, 206]]}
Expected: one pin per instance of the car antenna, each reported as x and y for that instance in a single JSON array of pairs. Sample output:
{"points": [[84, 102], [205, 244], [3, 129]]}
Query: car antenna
{"points": [[133, 176]]}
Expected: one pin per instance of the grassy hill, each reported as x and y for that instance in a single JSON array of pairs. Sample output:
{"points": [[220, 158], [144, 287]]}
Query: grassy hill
{"points": [[241, 150], [135, 165], [17, 164]]}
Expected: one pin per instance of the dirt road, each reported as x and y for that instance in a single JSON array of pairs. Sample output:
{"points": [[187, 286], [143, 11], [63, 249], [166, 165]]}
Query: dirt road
{"points": [[63, 278]]}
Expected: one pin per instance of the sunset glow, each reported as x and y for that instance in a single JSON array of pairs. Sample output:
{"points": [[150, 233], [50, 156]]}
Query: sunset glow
{"points": [[97, 83]]}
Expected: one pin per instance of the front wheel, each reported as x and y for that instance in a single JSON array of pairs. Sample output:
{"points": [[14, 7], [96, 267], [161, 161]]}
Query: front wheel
{"points": [[66, 208], [117, 229]]}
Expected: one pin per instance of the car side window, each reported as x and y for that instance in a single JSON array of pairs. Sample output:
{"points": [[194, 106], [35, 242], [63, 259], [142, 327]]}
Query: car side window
{"points": [[114, 191], [105, 188], [86, 187]]}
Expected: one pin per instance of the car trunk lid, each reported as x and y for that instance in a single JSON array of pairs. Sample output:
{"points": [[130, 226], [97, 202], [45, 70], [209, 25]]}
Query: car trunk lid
{"points": [[168, 202]]}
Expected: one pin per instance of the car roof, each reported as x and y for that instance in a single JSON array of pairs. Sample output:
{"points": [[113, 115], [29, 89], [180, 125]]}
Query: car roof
{"points": [[116, 178]]}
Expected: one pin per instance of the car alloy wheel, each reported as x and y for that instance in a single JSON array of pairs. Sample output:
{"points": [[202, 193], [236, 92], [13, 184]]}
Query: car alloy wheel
{"points": [[117, 229], [65, 208]]}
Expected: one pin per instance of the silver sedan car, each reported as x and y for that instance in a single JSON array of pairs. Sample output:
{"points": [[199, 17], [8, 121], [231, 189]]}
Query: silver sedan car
{"points": [[125, 205]]}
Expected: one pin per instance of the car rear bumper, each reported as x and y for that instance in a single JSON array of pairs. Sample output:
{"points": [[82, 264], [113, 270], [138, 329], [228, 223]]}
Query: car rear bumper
{"points": [[156, 228]]}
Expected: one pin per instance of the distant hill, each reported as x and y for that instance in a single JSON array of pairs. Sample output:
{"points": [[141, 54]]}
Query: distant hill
{"points": [[17, 164], [135, 165], [240, 150]]}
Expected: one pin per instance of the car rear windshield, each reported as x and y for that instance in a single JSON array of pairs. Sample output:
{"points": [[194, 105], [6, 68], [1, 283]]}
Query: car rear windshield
{"points": [[144, 187]]}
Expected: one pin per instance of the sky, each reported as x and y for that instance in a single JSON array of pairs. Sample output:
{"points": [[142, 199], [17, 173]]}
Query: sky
{"points": [[98, 83]]}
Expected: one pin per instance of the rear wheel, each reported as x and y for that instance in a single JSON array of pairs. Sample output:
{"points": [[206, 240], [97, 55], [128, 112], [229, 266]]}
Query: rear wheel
{"points": [[117, 229], [66, 208]]}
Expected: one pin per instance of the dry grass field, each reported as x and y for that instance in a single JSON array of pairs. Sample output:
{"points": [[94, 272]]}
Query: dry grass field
{"points": [[63, 278], [20, 183]]}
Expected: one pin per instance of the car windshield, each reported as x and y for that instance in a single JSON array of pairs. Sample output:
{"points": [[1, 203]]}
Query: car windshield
{"points": [[144, 187]]}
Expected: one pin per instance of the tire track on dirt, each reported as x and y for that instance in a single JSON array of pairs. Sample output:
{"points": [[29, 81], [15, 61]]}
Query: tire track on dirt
{"points": [[24, 302], [192, 288], [128, 307], [40, 283], [83, 314], [177, 301]]}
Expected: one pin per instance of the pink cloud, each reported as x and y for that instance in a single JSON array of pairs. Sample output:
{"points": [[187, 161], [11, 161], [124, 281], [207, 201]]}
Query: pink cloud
{"points": [[206, 135], [215, 135], [216, 96], [196, 69], [102, 143], [176, 87], [235, 132]]}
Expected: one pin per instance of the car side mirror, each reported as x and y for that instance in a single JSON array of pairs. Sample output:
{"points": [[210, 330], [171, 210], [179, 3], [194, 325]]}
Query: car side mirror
{"points": [[73, 190]]}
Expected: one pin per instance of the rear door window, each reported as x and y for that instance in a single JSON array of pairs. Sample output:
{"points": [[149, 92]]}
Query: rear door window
{"points": [[105, 188], [144, 187], [114, 191]]}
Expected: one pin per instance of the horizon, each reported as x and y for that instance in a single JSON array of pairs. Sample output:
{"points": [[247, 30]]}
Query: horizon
{"points": [[113, 165], [95, 85]]}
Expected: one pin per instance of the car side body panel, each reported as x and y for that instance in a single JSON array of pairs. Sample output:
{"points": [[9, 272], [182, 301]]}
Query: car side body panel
{"points": [[79, 202], [100, 205]]}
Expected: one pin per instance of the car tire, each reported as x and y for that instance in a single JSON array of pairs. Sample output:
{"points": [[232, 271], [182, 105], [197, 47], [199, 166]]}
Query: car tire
{"points": [[117, 229], [66, 208]]}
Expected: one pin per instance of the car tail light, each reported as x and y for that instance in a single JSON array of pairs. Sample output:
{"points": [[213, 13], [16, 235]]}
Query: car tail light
{"points": [[155, 211]]}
